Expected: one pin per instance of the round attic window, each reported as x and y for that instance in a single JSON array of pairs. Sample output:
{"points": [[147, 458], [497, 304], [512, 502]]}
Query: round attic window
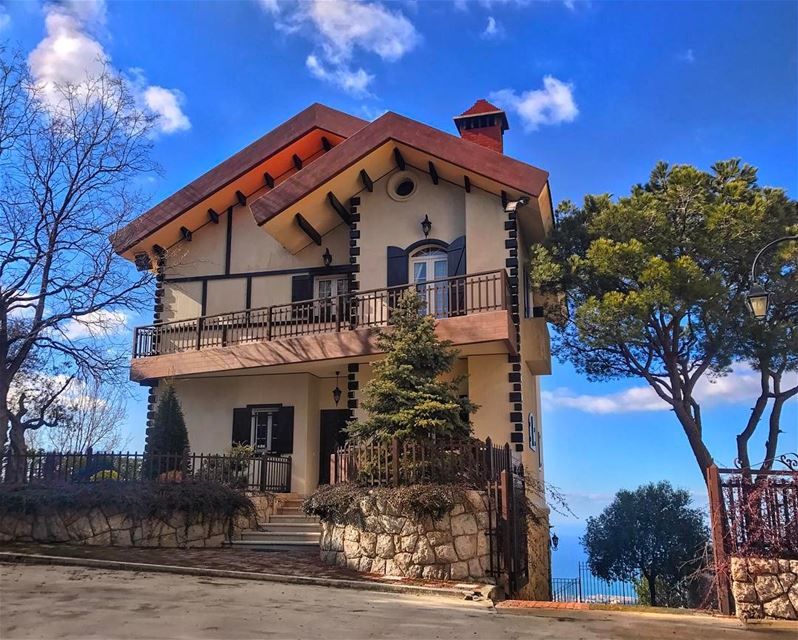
{"points": [[402, 186]]}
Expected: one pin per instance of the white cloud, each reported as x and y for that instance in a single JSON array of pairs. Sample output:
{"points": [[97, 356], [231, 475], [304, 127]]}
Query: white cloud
{"points": [[687, 56], [553, 104], [97, 324], [70, 54], [166, 104], [343, 29], [352, 81], [5, 19], [493, 30], [741, 386]]}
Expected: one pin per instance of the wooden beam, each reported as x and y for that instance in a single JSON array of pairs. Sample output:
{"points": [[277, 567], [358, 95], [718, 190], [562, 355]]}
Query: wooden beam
{"points": [[325, 143], [242, 199], [308, 228], [467, 184], [400, 161], [433, 172], [213, 216], [186, 233], [366, 180], [297, 161], [269, 180], [339, 208]]}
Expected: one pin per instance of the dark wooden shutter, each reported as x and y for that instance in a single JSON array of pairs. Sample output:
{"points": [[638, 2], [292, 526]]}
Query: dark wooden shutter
{"points": [[283, 431], [242, 426], [397, 266], [456, 253], [301, 288], [396, 274], [456, 257]]}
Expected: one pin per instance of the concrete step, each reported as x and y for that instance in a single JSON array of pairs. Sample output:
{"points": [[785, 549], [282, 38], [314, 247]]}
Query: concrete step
{"points": [[289, 527], [298, 519], [256, 545], [282, 537]]}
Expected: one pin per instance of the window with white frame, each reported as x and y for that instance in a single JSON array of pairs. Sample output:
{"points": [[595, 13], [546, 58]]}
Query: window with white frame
{"points": [[329, 287]]}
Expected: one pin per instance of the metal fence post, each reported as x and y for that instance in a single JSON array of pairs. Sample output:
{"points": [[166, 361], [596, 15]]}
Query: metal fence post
{"points": [[395, 461]]}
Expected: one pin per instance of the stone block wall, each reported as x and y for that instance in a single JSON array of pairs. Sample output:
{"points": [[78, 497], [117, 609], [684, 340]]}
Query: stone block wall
{"points": [[538, 536], [765, 588], [386, 542], [108, 527]]}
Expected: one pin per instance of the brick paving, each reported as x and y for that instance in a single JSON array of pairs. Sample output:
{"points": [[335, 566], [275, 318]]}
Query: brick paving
{"points": [[540, 604], [289, 563]]}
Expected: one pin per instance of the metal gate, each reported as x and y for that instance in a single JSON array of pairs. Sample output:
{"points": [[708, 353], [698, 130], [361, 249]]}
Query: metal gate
{"points": [[509, 553]]}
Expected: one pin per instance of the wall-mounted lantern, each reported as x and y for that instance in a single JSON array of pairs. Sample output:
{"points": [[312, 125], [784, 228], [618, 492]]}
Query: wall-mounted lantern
{"points": [[426, 225], [337, 391], [327, 257]]}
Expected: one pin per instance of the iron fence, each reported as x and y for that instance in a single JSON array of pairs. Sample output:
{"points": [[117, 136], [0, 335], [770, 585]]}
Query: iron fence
{"points": [[261, 472], [588, 587]]}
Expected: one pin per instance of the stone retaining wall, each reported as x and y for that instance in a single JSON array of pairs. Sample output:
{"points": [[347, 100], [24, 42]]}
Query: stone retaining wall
{"points": [[390, 543], [108, 527], [765, 588]]}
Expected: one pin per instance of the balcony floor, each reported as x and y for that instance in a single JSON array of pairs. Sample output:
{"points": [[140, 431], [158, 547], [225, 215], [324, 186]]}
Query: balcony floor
{"points": [[486, 332]]}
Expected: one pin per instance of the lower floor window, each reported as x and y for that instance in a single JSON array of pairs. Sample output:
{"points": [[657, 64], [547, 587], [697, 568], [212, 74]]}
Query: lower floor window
{"points": [[263, 421]]}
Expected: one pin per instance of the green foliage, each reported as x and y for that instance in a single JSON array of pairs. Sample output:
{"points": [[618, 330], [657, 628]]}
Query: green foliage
{"points": [[655, 286], [407, 397], [344, 503], [653, 530], [135, 499], [169, 435]]}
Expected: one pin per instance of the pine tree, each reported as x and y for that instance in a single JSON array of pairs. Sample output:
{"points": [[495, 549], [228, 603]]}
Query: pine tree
{"points": [[169, 436], [406, 397]]}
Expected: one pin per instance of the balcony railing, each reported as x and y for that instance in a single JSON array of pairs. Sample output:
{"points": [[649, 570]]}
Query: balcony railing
{"points": [[444, 298]]}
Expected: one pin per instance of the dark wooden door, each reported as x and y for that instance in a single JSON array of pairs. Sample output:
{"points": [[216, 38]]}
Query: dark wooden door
{"points": [[332, 435]]}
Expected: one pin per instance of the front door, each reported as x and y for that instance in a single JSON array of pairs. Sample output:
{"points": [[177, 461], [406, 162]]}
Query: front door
{"points": [[332, 436]]}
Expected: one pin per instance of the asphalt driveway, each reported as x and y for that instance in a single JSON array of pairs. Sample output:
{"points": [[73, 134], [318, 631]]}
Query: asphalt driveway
{"points": [[67, 602]]}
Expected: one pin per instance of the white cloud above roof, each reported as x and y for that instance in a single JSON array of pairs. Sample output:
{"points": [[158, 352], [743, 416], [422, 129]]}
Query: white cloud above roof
{"points": [[551, 105], [344, 30], [70, 53]]}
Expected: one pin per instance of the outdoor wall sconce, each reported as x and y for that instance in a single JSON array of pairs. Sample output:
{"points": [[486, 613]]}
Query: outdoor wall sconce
{"points": [[555, 541], [426, 225], [758, 298], [337, 391], [327, 257]]}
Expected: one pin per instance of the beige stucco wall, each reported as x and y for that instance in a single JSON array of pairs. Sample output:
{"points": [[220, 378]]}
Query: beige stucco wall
{"points": [[484, 229], [384, 222], [208, 405]]}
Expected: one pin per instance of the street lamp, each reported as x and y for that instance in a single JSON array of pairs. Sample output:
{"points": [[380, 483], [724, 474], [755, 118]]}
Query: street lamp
{"points": [[758, 298]]}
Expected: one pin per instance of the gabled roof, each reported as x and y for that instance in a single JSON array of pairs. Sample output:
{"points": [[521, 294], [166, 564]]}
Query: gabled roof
{"points": [[473, 158], [317, 116]]}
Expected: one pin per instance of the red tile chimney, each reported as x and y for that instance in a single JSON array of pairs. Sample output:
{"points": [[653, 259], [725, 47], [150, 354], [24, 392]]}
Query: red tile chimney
{"points": [[484, 124]]}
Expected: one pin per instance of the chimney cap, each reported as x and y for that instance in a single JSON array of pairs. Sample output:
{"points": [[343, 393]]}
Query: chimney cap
{"points": [[482, 108]]}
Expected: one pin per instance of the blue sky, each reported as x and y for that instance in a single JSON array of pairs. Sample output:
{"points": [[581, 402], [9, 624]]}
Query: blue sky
{"points": [[596, 93]]}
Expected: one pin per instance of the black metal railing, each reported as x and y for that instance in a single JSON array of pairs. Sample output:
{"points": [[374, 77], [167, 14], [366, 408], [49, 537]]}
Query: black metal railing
{"points": [[260, 472], [444, 298], [588, 587]]}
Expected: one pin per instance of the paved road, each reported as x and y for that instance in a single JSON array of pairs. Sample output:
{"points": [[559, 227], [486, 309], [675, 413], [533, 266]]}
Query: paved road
{"points": [[60, 602]]}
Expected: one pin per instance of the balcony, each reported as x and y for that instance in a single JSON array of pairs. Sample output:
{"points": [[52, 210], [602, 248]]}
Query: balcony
{"points": [[473, 308]]}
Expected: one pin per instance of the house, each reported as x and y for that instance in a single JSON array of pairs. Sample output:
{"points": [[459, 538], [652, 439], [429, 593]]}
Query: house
{"points": [[275, 267]]}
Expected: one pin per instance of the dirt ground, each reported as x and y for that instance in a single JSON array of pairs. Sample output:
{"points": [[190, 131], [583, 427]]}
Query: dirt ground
{"points": [[67, 602]]}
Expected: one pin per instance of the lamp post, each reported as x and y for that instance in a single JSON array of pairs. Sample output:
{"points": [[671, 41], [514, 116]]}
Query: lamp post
{"points": [[758, 298]]}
